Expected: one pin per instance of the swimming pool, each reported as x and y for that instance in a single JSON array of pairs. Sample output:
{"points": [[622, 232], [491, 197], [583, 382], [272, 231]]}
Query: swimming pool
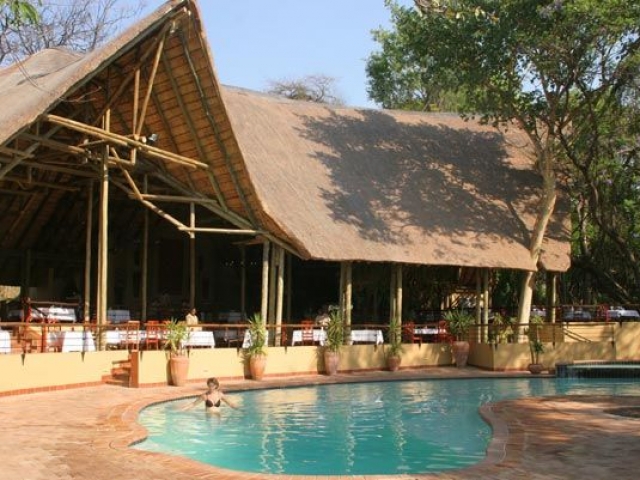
{"points": [[399, 427]]}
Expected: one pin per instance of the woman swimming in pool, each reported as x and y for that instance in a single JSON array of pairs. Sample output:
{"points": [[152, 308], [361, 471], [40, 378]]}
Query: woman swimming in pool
{"points": [[212, 398]]}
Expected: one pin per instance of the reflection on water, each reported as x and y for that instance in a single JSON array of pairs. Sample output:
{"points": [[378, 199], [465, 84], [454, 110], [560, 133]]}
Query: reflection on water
{"points": [[353, 429]]}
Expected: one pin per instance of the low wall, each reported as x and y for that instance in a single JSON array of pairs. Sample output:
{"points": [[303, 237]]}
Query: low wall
{"points": [[22, 373]]}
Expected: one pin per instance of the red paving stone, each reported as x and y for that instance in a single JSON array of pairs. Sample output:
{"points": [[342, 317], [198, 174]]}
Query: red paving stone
{"points": [[85, 433]]}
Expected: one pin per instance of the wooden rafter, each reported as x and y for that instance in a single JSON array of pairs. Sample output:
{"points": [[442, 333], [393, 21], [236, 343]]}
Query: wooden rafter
{"points": [[209, 115], [123, 141]]}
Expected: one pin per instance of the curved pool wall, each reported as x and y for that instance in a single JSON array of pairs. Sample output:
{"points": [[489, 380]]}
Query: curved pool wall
{"points": [[599, 369], [409, 444]]}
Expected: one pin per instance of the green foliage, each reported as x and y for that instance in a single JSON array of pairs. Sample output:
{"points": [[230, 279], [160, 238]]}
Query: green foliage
{"points": [[335, 332], [395, 338], [176, 334], [18, 12], [258, 332], [536, 346], [459, 322], [502, 328]]}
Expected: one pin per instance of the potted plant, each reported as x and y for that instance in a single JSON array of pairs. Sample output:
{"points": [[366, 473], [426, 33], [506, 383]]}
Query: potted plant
{"points": [[333, 342], [536, 347], [459, 322], [394, 348], [175, 336], [256, 352]]}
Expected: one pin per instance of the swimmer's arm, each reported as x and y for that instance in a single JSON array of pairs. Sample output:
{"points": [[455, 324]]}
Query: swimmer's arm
{"points": [[229, 402], [189, 406]]}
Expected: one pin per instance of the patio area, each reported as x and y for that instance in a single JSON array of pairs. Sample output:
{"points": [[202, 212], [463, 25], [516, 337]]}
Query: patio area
{"points": [[83, 433]]}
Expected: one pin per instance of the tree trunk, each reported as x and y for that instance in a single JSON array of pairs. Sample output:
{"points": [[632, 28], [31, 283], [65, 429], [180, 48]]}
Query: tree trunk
{"points": [[547, 204]]}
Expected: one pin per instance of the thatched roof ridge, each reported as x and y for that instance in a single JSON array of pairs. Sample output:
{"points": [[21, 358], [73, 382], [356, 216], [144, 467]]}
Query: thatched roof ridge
{"points": [[371, 185]]}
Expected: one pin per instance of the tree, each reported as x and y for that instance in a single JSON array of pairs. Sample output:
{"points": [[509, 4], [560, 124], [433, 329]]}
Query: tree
{"points": [[547, 67], [79, 25], [312, 88], [400, 75], [16, 12]]}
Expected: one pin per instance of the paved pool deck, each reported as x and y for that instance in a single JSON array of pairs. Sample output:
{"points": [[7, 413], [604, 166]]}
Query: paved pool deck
{"points": [[84, 433]]}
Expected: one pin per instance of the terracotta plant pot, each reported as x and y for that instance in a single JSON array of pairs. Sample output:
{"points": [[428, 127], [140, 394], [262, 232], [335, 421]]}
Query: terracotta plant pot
{"points": [[393, 362], [536, 368], [460, 353], [331, 360], [179, 369], [257, 365]]}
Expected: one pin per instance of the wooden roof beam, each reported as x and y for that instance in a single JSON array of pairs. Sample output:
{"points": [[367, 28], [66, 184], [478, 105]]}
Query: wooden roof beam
{"points": [[123, 141]]}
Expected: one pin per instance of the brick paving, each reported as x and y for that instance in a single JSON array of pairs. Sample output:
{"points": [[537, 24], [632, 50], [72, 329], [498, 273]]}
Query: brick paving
{"points": [[84, 433]]}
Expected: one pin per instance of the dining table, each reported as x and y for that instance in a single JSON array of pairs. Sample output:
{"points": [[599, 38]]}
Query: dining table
{"points": [[319, 336], [623, 314], [72, 341], [366, 336], [200, 338], [5, 341]]}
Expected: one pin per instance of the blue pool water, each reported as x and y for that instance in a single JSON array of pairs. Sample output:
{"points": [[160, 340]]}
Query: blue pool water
{"points": [[352, 429]]}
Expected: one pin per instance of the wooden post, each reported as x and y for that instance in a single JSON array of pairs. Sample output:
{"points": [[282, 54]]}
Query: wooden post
{"points": [[280, 296], [485, 301], [348, 294], [399, 293], [144, 273], [289, 285], [552, 283], [26, 274], [264, 303], [393, 304], [479, 301], [103, 250], [243, 280], [87, 254], [272, 285], [192, 256], [341, 301]]}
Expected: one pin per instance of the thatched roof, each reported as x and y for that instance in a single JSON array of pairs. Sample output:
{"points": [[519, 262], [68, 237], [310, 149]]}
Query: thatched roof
{"points": [[352, 184], [327, 183]]}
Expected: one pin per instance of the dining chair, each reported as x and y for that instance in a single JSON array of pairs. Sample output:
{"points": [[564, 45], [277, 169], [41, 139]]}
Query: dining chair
{"points": [[153, 334], [409, 335], [132, 335], [307, 332]]}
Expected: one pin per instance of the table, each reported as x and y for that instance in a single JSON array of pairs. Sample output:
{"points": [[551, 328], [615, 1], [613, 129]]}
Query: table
{"points": [[426, 331], [576, 315], [367, 336], [228, 335], [52, 313], [118, 316], [119, 337], [247, 342], [5, 341], [319, 336], [72, 341], [200, 338], [621, 313]]}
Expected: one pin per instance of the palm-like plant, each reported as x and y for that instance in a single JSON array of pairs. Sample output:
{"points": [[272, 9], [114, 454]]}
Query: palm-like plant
{"points": [[176, 334], [258, 334], [335, 332]]}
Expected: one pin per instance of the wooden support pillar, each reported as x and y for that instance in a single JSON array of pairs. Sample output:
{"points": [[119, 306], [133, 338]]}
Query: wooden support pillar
{"points": [[289, 285], [393, 304], [86, 307], [264, 299], [479, 301], [243, 280], [103, 250], [399, 275], [192, 256], [279, 296], [272, 285], [348, 293], [485, 303], [26, 274], [144, 273], [552, 296]]}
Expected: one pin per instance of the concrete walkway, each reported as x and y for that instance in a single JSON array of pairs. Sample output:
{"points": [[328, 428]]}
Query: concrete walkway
{"points": [[84, 434]]}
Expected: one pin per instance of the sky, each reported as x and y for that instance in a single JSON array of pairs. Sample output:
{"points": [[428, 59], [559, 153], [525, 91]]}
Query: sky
{"points": [[255, 41]]}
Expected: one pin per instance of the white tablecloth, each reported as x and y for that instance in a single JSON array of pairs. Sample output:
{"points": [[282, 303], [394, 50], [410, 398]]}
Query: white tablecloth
{"points": [[5, 341], [53, 313], [118, 316], [247, 339], [623, 313], [200, 339], [72, 341], [367, 336], [117, 337], [577, 315], [425, 331], [319, 336]]}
